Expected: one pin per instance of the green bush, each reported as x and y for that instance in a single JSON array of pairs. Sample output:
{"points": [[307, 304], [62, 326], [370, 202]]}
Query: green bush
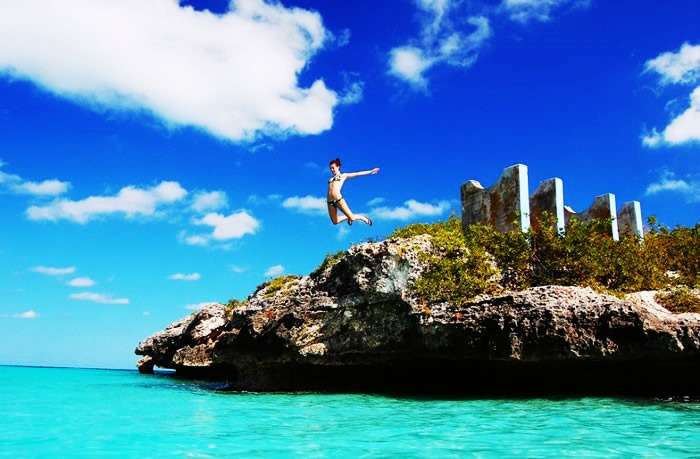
{"points": [[330, 260], [456, 270], [277, 284], [231, 305], [679, 299], [585, 255]]}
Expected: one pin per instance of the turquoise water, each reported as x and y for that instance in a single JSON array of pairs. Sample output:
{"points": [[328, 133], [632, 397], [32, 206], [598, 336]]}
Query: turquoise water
{"points": [[53, 412]]}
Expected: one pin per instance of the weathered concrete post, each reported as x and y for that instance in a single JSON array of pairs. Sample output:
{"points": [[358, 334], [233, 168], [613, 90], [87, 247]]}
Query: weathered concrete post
{"points": [[476, 206], [630, 219], [505, 205], [548, 197], [605, 208]]}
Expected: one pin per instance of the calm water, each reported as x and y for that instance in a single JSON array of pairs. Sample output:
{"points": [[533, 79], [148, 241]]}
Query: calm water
{"points": [[48, 412]]}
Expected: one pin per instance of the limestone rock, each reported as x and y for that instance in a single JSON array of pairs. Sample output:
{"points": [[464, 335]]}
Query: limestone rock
{"points": [[358, 325]]}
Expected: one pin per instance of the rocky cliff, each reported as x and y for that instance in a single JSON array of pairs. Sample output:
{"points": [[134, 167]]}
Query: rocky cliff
{"points": [[356, 324]]}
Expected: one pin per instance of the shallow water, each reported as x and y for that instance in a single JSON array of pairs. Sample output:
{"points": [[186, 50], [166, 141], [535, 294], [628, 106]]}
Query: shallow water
{"points": [[57, 412]]}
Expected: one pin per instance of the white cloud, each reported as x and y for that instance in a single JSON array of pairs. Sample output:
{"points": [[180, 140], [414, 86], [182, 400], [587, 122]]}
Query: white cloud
{"points": [[198, 306], [524, 11], [233, 226], [45, 188], [98, 298], [409, 63], [353, 93], [146, 313], [680, 67], [51, 271], [306, 204], [274, 271], [130, 201], [256, 200], [411, 209], [18, 185], [238, 269], [234, 74], [194, 239], [668, 182], [441, 42], [29, 314], [81, 282], [375, 201], [209, 200], [185, 277]]}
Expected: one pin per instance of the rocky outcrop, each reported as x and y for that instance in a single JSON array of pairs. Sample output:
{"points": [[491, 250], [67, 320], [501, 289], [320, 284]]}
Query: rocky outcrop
{"points": [[356, 324]]}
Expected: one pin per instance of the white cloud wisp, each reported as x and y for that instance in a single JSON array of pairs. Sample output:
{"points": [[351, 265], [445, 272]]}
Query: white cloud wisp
{"points": [[130, 201], [525, 11], [411, 209], [441, 42], [98, 298]]}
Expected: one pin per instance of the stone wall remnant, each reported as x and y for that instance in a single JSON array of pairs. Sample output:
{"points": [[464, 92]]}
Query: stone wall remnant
{"points": [[604, 208], [548, 197], [505, 205], [629, 219]]}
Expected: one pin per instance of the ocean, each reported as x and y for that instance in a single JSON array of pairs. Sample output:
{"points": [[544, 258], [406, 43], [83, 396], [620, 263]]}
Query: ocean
{"points": [[66, 412]]}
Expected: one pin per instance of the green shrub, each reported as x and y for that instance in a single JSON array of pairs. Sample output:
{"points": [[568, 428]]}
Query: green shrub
{"points": [[456, 270], [277, 284], [585, 255], [679, 299], [231, 305], [330, 260]]}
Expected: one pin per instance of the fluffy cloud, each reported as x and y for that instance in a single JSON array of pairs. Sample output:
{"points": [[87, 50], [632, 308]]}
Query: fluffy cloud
{"points": [[81, 282], [209, 200], [185, 277], [51, 271], [29, 314], [274, 271], [681, 67], [441, 42], [233, 226], [16, 184], [234, 75], [411, 209], [306, 204], [668, 182], [98, 298], [130, 201], [524, 11]]}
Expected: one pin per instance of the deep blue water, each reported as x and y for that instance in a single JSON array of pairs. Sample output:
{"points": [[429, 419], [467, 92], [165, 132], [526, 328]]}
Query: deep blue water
{"points": [[61, 412]]}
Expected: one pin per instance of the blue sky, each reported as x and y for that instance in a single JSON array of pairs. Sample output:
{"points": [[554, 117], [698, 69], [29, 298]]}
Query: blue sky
{"points": [[160, 156]]}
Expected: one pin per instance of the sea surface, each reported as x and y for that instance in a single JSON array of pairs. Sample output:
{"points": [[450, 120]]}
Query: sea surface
{"points": [[64, 412]]}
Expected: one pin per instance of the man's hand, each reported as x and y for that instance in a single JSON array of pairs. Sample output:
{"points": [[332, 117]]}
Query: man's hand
{"points": [[374, 171]]}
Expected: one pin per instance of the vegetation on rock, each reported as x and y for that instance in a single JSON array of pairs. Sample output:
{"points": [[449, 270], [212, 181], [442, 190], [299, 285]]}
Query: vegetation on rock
{"points": [[679, 299], [480, 259], [277, 284], [328, 262]]}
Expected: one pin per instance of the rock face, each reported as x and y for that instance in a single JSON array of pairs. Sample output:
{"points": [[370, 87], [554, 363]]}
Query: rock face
{"points": [[357, 325]]}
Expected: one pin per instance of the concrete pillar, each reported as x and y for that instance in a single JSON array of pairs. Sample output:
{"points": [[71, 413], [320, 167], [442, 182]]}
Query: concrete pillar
{"points": [[605, 208], [505, 205], [630, 219], [475, 204], [549, 197]]}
